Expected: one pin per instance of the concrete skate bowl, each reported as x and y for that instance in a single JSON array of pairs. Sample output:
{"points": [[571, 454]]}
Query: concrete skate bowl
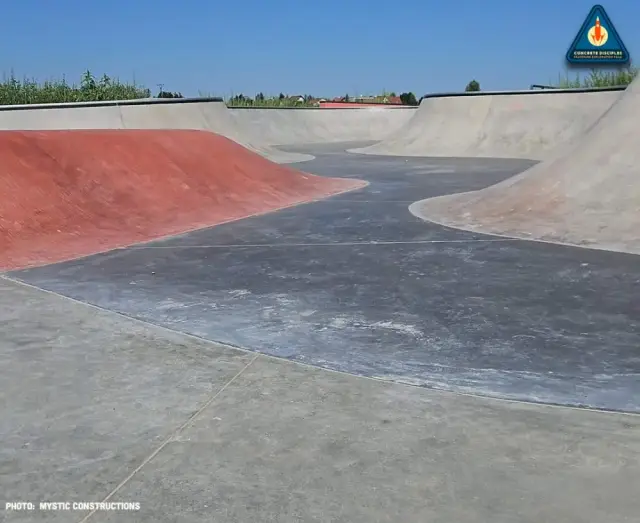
{"points": [[586, 193], [258, 130], [354, 283], [514, 124]]}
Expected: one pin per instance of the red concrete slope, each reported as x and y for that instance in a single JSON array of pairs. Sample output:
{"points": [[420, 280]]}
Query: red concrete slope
{"points": [[66, 194]]}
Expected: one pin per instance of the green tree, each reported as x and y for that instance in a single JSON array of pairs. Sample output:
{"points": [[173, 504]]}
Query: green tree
{"points": [[408, 99], [473, 85]]}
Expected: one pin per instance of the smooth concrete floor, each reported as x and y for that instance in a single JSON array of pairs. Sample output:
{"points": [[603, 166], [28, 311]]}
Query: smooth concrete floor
{"points": [[98, 406]]}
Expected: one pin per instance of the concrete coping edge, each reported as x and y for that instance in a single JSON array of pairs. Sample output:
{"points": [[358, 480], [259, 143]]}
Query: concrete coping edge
{"points": [[110, 103]]}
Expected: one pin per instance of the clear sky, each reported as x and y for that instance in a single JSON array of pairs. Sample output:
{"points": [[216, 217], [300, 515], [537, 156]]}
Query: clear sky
{"points": [[322, 48]]}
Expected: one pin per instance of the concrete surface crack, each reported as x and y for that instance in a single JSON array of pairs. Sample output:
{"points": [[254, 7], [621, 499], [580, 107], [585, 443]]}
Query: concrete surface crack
{"points": [[172, 436], [328, 244]]}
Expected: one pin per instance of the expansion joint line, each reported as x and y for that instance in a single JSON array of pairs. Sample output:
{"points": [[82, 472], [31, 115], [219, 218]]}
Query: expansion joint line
{"points": [[171, 437]]}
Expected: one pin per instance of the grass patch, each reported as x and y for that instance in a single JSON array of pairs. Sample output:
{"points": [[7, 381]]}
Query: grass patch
{"points": [[29, 91], [14, 91], [598, 78]]}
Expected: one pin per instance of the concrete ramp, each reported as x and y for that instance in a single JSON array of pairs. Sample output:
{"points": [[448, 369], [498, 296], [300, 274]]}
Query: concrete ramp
{"points": [[586, 194], [284, 126], [199, 114], [75, 193], [525, 124]]}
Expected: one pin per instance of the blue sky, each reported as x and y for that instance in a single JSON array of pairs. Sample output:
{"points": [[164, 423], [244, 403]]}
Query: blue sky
{"points": [[325, 48]]}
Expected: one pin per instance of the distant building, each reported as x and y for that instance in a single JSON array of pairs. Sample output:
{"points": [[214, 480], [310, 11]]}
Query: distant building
{"points": [[296, 98]]}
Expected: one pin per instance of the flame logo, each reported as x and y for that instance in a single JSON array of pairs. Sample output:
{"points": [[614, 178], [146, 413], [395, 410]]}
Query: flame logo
{"points": [[598, 35]]}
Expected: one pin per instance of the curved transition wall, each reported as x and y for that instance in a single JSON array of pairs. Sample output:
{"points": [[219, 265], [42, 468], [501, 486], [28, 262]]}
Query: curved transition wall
{"points": [[309, 126], [74, 193], [526, 124], [258, 131], [587, 193]]}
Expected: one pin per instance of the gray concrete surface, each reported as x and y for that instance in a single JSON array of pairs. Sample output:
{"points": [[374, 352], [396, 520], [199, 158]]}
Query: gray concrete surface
{"points": [[97, 407], [357, 283], [529, 125], [586, 194]]}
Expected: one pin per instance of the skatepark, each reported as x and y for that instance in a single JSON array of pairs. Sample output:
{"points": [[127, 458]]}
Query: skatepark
{"points": [[376, 314]]}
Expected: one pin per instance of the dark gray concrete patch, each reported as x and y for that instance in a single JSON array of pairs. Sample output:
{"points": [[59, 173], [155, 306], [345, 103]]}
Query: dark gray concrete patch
{"points": [[287, 443], [357, 283]]}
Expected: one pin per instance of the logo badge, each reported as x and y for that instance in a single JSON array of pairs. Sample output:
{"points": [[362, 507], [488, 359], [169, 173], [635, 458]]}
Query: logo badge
{"points": [[597, 42]]}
